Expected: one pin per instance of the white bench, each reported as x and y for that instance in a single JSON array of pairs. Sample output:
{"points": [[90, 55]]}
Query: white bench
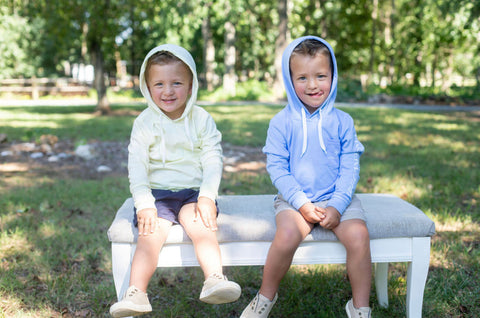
{"points": [[399, 232]]}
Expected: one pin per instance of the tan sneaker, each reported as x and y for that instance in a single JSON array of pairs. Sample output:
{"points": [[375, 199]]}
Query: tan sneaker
{"points": [[259, 307], [217, 289], [362, 312], [134, 303]]}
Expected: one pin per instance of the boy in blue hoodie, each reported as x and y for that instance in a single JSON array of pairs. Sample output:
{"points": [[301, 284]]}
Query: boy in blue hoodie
{"points": [[313, 160]]}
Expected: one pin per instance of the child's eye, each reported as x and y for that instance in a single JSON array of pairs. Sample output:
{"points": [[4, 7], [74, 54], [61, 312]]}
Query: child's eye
{"points": [[302, 78], [177, 83]]}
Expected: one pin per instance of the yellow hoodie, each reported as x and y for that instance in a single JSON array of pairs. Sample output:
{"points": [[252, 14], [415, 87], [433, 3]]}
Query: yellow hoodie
{"points": [[167, 154]]}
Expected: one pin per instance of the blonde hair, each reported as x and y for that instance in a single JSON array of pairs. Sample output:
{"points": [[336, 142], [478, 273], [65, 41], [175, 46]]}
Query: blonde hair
{"points": [[163, 58]]}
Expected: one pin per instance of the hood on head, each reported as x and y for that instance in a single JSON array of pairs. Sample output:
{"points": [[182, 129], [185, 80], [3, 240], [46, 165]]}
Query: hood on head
{"points": [[183, 55], [294, 103]]}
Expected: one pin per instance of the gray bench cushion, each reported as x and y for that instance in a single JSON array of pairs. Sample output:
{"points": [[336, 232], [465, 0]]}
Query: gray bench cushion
{"points": [[251, 218]]}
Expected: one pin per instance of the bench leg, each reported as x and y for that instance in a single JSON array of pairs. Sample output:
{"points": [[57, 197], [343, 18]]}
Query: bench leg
{"points": [[122, 254], [381, 283], [417, 276]]}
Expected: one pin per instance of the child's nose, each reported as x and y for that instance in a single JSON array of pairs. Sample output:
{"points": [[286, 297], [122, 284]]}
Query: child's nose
{"points": [[169, 89], [311, 83]]}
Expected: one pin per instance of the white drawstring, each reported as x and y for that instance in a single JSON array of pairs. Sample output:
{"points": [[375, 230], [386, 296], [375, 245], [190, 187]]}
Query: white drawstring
{"points": [[163, 147], [304, 125], [305, 133], [187, 131], [320, 129]]}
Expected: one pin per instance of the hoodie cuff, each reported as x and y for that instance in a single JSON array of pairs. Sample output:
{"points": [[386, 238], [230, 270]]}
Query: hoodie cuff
{"points": [[338, 204], [212, 196], [146, 201], [298, 200]]}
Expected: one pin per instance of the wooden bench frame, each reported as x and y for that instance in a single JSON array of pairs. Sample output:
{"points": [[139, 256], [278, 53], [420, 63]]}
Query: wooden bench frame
{"points": [[413, 250]]}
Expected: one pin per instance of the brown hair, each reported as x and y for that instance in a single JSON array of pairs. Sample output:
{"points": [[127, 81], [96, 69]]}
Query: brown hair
{"points": [[162, 58], [311, 48]]}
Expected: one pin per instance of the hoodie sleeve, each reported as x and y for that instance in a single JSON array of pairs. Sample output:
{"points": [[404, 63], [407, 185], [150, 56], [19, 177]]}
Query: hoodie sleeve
{"points": [[138, 149], [211, 159], [349, 172], [278, 163]]}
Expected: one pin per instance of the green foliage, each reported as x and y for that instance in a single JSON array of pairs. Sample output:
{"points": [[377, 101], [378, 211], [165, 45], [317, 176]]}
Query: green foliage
{"points": [[424, 43], [18, 48], [251, 90]]}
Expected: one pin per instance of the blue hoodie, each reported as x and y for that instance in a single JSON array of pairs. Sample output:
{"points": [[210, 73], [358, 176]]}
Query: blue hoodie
{"points": [[313, 157]]}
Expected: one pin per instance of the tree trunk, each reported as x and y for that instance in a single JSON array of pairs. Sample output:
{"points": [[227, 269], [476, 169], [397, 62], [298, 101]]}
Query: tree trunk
{"points": [[280, 45], [418, 40], [229, 80], [371, 62], [392, 47], [103, 105], [208, 51]]}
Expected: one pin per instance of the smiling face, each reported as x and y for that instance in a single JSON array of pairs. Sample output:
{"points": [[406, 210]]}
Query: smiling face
{"points": [[311, 78], [170, 86]]}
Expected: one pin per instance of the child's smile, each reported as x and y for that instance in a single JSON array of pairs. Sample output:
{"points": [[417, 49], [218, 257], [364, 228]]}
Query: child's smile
{"points": [[170, 86], [311, 78]]}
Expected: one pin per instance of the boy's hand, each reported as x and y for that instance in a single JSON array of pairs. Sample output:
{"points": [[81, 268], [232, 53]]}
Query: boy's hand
{"points": [[147, 221], [208, 212], [332, 218], [311, 213]]}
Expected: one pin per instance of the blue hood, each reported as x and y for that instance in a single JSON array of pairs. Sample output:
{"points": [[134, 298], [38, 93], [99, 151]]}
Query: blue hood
{"points": [[295, 105]]}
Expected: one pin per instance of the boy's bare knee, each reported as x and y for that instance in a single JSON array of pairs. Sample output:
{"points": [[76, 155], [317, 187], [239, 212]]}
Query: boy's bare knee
{"points": [[288, 239]]}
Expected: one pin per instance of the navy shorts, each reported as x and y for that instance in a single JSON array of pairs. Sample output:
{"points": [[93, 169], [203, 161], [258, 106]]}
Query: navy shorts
{"points": [[169, 203]]}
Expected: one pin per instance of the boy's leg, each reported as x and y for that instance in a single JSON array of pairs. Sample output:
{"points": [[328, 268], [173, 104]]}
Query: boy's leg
{"points": [[217, 289], [145, 259], [204, 241], [353, 234], [292, 229]]}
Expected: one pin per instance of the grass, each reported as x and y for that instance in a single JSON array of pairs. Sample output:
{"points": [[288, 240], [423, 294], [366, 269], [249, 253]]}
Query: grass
{"points": [[55, 257]]}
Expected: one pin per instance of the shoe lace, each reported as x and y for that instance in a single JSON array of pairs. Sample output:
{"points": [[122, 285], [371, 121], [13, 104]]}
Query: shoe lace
{"points": [[132, 292], [218, 276]]}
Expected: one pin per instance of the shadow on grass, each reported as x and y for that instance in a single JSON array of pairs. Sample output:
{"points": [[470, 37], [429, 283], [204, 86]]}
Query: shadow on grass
{"points": [[55, 256], [55, 253]]}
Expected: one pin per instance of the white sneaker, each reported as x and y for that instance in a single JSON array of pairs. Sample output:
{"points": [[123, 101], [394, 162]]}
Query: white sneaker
{"points": [[217, 289], [134, 303], [362, 312], [259, 307]]}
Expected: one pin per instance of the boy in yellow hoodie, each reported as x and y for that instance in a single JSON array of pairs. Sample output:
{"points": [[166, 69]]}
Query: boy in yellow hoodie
{"points": [[174, 168]]}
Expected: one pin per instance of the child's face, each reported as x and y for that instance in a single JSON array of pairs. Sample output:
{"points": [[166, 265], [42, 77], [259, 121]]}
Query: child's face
{"points": [[170, 86], [311, 78]]}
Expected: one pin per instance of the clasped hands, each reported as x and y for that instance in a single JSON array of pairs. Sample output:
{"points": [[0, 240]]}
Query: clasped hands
{"points": [[328, 217], [205, 208]]}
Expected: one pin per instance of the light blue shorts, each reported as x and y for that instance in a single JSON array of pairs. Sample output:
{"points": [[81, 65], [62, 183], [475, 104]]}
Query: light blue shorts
{"points": [[353, 211]]}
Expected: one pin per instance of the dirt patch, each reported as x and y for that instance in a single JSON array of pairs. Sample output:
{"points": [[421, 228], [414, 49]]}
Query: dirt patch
{"points": [[63, 159]]}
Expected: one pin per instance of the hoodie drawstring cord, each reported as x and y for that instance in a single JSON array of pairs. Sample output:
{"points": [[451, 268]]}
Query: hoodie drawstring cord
{"points": [[305, 133], [320, 129], [304, 125], [187, 130], [163, 147]]}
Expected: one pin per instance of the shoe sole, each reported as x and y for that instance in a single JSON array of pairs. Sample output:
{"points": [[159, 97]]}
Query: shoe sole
{"points": [[132, 311], [221, 294]]}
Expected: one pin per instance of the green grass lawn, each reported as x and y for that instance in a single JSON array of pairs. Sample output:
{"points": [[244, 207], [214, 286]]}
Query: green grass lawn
{"points": [[55, 257]]}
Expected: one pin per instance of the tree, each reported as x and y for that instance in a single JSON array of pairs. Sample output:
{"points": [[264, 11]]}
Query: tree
{"points": [[280, 45], [17, 48], [208, 49], [229, 78]]}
